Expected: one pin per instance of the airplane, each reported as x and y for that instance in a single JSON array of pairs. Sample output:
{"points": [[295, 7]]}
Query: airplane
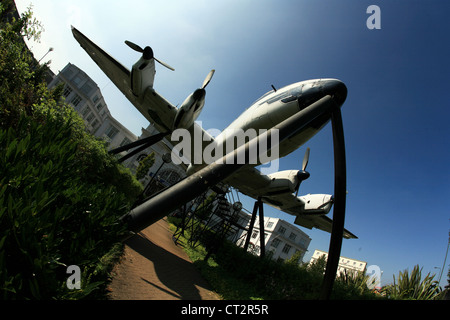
{"points": [[279, 189]]}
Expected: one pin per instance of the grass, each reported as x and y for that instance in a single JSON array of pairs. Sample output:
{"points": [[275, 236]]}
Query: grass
{"points": [[223, 283], [237, 275]]}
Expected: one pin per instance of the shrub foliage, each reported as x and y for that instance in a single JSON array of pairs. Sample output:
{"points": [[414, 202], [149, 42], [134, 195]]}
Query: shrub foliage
{"points": [[61, 193]]}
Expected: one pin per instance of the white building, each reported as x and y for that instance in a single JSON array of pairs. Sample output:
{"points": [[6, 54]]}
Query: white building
{"points": [[345, 264], [81, 92], [282, 239]]}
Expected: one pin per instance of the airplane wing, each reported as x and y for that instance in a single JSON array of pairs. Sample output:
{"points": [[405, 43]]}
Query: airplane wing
{"points": [[153, 106], [248, 180]]}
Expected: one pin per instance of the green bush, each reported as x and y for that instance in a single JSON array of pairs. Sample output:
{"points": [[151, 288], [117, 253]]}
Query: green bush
{"points": [[51, 216], [411, 286], [271, 279], [61, 193]]}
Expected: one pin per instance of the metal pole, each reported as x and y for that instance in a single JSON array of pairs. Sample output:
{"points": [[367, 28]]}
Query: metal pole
{"points": [[262, 237], [147, 141], [250, 227]]}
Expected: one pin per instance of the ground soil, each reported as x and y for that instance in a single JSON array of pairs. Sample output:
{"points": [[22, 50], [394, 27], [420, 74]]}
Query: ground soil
{"points": [[154, 268]]}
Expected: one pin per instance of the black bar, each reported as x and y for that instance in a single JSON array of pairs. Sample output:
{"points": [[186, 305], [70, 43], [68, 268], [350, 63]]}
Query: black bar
{"points": [[262, 237], [153, 139], [250, 227], [137, 150]]}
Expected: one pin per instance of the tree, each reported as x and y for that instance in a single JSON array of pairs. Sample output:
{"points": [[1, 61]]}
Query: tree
{"points": [[145, 165], [295, 259], [318, 266], [21, 77]]}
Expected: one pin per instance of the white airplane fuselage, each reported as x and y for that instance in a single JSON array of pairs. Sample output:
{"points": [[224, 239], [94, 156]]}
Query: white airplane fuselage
{"points": [[276, 106]]}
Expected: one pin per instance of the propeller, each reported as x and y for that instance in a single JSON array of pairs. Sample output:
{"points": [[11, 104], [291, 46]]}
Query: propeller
{"points": [[302, 174], [208, 78], [200, 92], [147, 53], [305, 159]]}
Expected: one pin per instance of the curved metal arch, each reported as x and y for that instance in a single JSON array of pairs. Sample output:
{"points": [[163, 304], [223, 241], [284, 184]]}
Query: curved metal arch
{"points": [[340, 185]]}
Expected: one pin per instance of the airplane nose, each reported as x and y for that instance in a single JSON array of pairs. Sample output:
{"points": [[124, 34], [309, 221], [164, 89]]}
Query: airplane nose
{"points": [[336, 89]]}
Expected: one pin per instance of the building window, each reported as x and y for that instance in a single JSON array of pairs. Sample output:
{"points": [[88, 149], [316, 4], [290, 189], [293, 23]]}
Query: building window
{"points": [[96, 98], [77, 81], [94, 124], [292, 236], [125, 141], [270, 224], [282, 230], [90, 117], [86, 112], [100, 106], [67, 90], [303, 242], [286, 249], [276, 243], [111, 132], [255, 234], [76, 100], [141, 157], [86, 89]]}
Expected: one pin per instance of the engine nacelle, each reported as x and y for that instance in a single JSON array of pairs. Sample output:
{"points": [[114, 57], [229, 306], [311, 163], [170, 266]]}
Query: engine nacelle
{"points": [[142, 76], [317, 203], [282, 182], [190, 110]]}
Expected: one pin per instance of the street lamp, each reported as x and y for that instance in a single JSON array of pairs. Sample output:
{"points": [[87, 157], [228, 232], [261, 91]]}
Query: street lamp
{"points": [[49, 50]]}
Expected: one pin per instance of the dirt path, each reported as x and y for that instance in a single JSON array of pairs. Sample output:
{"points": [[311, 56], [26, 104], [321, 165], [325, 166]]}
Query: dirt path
{"points": [[154, 268]]}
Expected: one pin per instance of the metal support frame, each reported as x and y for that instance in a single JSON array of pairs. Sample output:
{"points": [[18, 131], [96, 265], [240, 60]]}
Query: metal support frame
{"points": [[340, 182], [257, 207], [144, 143]]}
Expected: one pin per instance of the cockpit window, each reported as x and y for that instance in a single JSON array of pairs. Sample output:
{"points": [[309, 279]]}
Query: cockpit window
{"points": [[263, 96], [285, 96], [279, 97]]}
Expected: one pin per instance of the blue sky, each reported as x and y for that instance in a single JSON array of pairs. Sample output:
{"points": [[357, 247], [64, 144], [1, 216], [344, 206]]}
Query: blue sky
{"points": [[395, 117]]}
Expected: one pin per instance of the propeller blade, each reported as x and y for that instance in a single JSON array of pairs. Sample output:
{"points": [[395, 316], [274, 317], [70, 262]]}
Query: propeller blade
{"points": [[303, 175], [134, 46], [305, 159], [165, 64], [208, 78], [148, 53]]}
